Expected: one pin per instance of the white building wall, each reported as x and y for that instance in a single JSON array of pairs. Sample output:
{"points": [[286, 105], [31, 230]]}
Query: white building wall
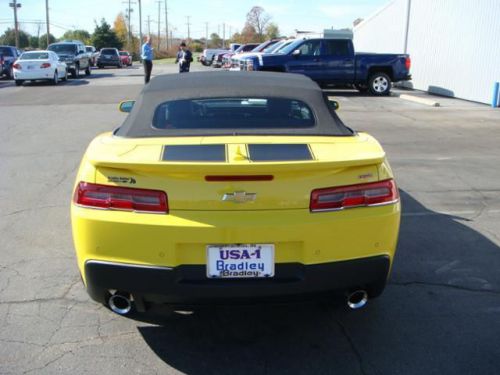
{"points": [[383, 31], [454, 44]]}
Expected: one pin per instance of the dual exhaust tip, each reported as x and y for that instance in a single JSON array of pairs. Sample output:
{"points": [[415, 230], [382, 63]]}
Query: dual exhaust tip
{"points": [[121, 302]]}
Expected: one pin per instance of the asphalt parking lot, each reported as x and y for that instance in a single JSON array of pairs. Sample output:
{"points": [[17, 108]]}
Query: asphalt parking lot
{"points": [[440, 313]]}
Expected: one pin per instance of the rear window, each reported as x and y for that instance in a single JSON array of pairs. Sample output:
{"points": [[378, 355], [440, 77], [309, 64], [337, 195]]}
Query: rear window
{"points": [[234, 113], [108, 51], [63, 48], [34, 56], [6, 51], [123, 53], [248, 47]]}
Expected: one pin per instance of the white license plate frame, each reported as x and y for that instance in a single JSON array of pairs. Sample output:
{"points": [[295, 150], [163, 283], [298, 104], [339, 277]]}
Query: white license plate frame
{"points": [[240, 261]]}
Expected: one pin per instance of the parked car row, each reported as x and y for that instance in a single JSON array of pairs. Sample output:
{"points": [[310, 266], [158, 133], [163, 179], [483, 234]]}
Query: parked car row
{"points": [[328, 61], [59, 60]]}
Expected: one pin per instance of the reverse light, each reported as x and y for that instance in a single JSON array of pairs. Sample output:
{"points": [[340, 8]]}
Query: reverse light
{"points": [[120, 198], [45, 65], [362, 195]]}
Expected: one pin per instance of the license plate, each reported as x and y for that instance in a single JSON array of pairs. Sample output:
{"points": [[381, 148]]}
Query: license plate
{"points": [[240, 261]]}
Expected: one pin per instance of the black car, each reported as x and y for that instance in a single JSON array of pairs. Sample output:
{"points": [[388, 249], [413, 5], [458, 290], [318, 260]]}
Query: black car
{"points": [[109, 57], [8, 55], [72, 52]]}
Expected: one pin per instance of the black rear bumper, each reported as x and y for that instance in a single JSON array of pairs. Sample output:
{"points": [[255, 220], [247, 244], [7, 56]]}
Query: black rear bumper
{"points": [[189, 285]]}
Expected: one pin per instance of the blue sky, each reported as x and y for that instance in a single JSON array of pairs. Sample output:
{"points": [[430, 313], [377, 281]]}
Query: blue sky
{"points": [[289, 15]]}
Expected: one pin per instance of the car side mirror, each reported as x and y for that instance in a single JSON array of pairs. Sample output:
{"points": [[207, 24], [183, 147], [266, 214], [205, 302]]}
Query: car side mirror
{"points": [[126, 106], [335, 105], [296, 53]]}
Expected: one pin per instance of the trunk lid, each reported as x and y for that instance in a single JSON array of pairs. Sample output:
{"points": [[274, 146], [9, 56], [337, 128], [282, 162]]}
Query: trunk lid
{"points": [[236, 173]]}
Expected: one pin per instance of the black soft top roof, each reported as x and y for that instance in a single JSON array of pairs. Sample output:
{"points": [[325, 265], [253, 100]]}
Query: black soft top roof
{"points": [[205, 85]]}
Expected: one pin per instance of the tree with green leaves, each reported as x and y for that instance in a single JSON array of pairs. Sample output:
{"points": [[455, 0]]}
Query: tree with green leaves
{"points": [[42, 43], [81, 35], [9, 38], [104, 36], [215, 41], [33, 42], [272, 31]]}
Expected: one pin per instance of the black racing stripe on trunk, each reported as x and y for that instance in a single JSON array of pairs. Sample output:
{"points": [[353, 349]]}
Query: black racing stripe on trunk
{"points": [[199, 153], [284, 152]]}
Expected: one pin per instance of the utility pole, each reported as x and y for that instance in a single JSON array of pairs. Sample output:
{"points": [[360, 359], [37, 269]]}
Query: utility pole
{"points": [[149, 25], [140, 27], [129, 19], [39, 26], [166, 24], [159, 22], [47, 21], [15, 5], [224, 35], [189, 26], [206, 35]]}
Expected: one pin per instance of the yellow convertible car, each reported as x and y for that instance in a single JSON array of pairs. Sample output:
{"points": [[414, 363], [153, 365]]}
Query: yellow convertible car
{"points": [[233, 188]]}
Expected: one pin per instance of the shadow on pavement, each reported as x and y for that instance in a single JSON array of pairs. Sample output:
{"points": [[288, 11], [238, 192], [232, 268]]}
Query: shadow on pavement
{"points": [[348, 92], [438, 314]]}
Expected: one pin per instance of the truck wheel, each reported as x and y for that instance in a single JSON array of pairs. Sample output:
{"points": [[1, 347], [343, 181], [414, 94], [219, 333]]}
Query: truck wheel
{"points": [[19, 82], [361, 87], [379, 84], [75, 73], [87, 71], [10, 73]]}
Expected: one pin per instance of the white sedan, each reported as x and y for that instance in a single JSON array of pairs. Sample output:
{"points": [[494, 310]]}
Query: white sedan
{"points": [[39, 65]]}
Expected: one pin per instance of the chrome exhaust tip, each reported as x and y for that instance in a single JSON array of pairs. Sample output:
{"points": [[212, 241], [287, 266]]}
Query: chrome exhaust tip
{"points": [[357, 299], [120, 303]]}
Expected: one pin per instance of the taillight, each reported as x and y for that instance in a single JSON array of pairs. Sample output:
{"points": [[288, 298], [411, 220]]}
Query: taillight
{"points": [[17, 66], [362, 195], [408, 63], [120, 198], [45, 65]]}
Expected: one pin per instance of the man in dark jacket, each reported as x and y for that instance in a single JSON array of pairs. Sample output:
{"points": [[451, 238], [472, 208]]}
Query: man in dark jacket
{"points": [[184, 58]]}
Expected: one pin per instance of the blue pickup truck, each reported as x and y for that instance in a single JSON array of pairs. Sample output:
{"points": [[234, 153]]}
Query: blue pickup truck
{"points": [[8, 55], [334, 62]]}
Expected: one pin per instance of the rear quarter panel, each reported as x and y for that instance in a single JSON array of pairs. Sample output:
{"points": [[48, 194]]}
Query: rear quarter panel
{"points": [[367, 62]]}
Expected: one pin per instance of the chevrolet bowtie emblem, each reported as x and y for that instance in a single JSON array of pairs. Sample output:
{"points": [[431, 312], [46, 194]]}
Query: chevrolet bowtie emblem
{"points": [[239, 197]]}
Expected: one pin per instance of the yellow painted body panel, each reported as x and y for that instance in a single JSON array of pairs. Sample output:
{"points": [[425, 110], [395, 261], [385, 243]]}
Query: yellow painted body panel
{"points": [[197, 217], [181, 237]]}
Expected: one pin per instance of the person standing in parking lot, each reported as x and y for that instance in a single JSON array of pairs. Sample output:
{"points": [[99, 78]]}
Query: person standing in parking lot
{"points": [[147, 58], [184, 58]]}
